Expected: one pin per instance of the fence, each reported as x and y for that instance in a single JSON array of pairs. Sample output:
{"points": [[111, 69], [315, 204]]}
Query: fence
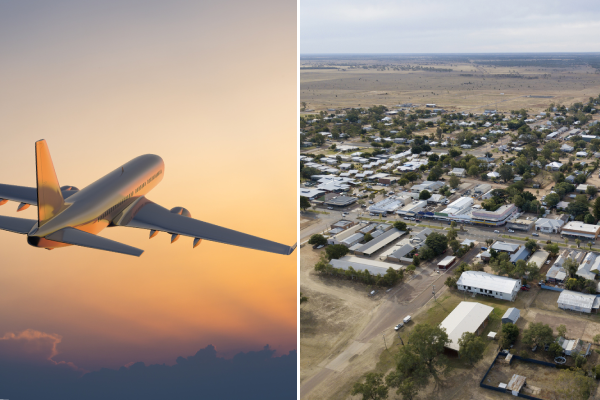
{"points": [[556, 289], [514, 357]]}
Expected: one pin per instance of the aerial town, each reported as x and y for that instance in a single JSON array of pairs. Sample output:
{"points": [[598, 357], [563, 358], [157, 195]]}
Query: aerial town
{"points": [[450, 254]]}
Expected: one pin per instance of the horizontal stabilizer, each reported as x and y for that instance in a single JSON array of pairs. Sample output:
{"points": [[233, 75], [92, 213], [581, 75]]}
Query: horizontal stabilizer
{"points": [[17, 225], [84, 239], [19, 194]]}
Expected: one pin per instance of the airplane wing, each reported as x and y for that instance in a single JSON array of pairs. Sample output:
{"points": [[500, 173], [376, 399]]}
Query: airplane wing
{"points": [[145, 214], [21, 194]]}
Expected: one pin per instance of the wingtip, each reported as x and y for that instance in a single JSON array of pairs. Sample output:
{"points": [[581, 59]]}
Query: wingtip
{"points": [[292, 248]]}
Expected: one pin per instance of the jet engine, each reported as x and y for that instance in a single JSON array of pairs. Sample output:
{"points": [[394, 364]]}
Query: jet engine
{"points": [[68, 191], [180, 211]]}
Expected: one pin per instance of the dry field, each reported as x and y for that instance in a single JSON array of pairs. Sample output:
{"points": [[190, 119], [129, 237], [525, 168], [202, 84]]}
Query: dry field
{"points": [[330, 88]]}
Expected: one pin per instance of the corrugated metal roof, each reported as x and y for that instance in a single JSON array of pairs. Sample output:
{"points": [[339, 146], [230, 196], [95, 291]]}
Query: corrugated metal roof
{"points": [[576, 299], [483, 280], [466, 317], [512, 314]]}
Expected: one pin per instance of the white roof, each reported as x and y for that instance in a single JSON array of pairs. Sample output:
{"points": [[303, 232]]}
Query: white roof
{"points": [[580, 226], [361, 264], [577, 299], [539, 258], [547, 222], [483, 280], [466, 317]]}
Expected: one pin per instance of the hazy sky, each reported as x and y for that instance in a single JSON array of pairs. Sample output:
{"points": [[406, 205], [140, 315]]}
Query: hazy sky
{"points": [[438, 26], [211, 88]]}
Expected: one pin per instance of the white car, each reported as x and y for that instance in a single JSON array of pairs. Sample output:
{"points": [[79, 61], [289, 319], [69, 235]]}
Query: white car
{"points": [[511, 231], [496, 231], [330, 208], [406, 319]]}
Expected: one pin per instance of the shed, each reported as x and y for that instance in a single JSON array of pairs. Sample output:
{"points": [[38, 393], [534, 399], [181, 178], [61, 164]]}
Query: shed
{"points": [[511, 316], [515, 384], [447, 262]]}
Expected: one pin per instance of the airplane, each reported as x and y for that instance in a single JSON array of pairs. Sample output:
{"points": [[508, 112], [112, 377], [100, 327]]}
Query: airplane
{"points": [[68, 216]]}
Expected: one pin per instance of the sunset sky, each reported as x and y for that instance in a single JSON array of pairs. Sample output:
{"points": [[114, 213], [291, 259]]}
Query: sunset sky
{"points": [[211, 88]]}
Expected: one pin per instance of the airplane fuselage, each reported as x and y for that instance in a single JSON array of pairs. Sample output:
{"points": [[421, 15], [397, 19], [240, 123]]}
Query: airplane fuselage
{"points": [[93, 208]]}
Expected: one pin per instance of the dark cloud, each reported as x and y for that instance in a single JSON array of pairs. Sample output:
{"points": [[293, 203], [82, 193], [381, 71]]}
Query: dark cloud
{"points": [[27, 371]]}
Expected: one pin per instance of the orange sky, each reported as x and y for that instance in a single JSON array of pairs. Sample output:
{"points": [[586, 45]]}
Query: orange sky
{"points": [[209, 88]]}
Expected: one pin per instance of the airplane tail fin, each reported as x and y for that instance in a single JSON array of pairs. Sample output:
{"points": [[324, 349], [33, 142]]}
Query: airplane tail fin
{"points": [[50, 200]]}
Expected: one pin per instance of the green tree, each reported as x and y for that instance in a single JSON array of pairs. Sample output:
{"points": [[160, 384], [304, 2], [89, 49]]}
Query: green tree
{"points": [[424, 195], [552, 199], [304, 203], [579, 206], [452, 234], [471, 347], [368, 237], [437, 242], [573, 384], [591, 190], [531, 245], [317, 239], [400, 225], [510, 333], [562, 330], [451, 282], [538, 334], [552, 248], [571, 266], [589, 219], [416, 260], [454, 181], [373, 389], [303, 299], [336, 251], [506, 172], [596, 208], [454, 245]]}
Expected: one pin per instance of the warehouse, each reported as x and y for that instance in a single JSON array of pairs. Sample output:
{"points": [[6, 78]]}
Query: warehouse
{"points": [[575, 301], [341, 201], [363, 264], [579, 229], [466, 317], [490, 285], [388, 205], [367, 249]]}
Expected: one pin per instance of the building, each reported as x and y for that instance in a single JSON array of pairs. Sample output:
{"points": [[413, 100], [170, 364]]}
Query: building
{"points": [[388, 205], [343, 224], [579, 229], [458, 210], [539, 258], [483, 188], [341, 201], [582, 188], [469, 317], [554, 166], [367, 249], [413, 208], [575, 301], [311, 194], [503, 247], [352, 240], [490, 285], [549, 225], [458, 172], [511, 316], [520, 224], [430, 186], [494, 218], [556, 274], [447, 262], [363, 264], [588, 268], [403, 250], [574, 346]]}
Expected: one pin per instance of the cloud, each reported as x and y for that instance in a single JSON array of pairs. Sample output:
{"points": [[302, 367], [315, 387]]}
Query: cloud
{"points": [[27, 371]]}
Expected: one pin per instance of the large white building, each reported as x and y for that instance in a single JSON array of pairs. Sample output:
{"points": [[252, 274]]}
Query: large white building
{"points": [[490, 285], [579, 229], [494, 218], [362, 264], [575, 301], [458, 210], [466, 317]]}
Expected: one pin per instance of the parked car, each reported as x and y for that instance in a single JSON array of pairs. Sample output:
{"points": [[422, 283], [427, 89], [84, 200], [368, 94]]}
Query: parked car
{"points": [[330, 208], [511, 231], [548, 262], [407, 319], [417, 220], [344, 214], [496, 231], [406, 218], [524, 289], [535, 234], [527, 286], [400, 325]]}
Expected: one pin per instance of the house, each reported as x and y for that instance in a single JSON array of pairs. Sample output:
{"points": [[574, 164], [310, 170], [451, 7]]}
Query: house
{"points": [[493, 175], [570, 179], [511, 316], [556, 274], [566, 148], [504, 247], [554, 166], [381, 240], [547, 225], [582, 188], [574, 346], [490, 285], [469, 317], [458, 172], [581, 154], [483, 188], [588, 268], [575, 301]]}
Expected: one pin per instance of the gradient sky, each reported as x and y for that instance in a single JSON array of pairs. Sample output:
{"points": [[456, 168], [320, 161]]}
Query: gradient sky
{"points": [[438, 26], [211, 88]]}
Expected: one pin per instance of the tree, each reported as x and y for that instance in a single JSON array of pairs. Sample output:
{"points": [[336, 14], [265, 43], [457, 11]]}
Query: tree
{"points": [[579, 206], [589, 219], [597, 339], [400, 225], [573, 384], [591, 190], [317, 239], [454, 181], [552, 248], [562, 330], [368, 238], [577, 242], [538, 334], [451, 282], [571, 266], [510, 333], [506, 172], [531, 245], [303, 299], [373, 389], [452, 234], [424, 195], [471, 347], [304, 203], [336, 251], [437, 242], [489, 242], [596, 208], [454, 245], [416, 260], [552, 199]]}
